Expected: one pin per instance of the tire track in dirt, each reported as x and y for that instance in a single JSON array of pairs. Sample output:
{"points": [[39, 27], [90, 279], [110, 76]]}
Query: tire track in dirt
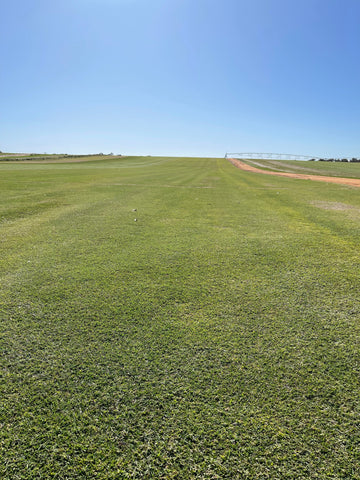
{"points": [[354, 182]]}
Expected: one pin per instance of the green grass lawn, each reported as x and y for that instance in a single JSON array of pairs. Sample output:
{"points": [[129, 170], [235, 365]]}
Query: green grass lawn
{"points": [[216, 337], [332, 169]]}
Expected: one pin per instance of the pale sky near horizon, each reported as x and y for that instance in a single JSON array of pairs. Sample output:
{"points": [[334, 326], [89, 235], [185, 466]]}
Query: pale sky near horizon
{"points": [[180, 77]]}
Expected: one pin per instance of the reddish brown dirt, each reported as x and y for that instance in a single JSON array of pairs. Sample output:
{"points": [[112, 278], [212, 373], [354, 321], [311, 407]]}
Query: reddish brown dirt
{"points": [[354, 182]]}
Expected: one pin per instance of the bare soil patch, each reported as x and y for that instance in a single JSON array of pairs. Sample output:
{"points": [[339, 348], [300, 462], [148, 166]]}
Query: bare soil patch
{"points": [[334, 206], [354, 182]]}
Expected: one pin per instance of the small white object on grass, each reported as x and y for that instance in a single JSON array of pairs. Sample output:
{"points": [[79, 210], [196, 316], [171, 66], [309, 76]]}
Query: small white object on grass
{"points": [[135, 219]]}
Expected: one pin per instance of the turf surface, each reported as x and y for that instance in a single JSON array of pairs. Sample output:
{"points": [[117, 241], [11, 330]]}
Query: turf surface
{"points": [[216, 337]]}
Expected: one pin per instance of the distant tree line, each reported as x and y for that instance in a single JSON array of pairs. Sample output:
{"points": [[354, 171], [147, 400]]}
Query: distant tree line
{"points": [[352, 160], [36, 156]]}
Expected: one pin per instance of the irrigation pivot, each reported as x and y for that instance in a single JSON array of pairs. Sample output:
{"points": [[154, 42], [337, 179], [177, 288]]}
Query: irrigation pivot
{"points": [[270, 156]]}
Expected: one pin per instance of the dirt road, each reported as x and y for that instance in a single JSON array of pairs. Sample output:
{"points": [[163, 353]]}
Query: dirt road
{"points": [[354, 182]]}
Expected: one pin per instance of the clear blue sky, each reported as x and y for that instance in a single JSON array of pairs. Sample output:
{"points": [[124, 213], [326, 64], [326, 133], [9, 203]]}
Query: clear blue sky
{"points": [[180, 77]]}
